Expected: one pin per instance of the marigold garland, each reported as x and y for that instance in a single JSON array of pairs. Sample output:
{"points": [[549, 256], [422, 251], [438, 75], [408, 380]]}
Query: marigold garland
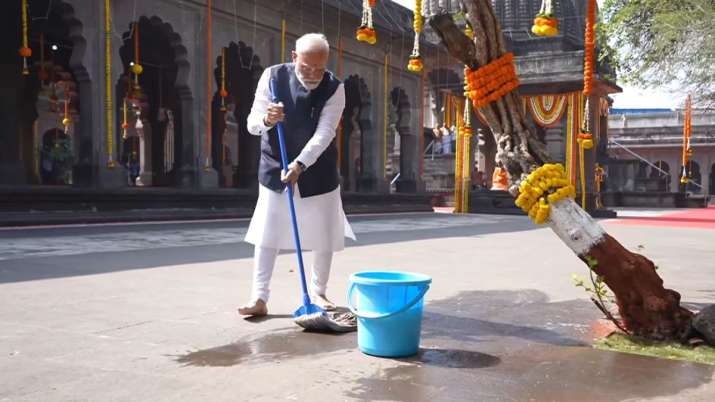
{"points": [[492, 81], [366, 33], [25, 51], [687, 132], [589, 48], [544, 186], [223, 93], [415, 64], [545, 24]]}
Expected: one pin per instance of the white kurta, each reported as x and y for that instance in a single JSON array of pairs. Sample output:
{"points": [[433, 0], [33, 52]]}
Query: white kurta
{"points": [[321, 220]]}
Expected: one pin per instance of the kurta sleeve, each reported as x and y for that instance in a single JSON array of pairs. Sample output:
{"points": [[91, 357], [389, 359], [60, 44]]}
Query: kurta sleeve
{"points": [[254, 122]]}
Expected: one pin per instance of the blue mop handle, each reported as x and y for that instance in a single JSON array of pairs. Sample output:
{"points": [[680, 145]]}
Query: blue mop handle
{"points": [[296, 236]]}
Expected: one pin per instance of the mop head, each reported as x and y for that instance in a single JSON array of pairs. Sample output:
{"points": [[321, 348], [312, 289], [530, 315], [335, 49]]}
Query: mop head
{"points": [[315, 319]]}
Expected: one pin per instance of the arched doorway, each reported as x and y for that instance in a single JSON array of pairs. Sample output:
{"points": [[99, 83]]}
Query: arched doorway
{"points": [[235, 152], [32, 104], [356, 125], [158, 103], [712, 179], [662, 174], [694, 175]]}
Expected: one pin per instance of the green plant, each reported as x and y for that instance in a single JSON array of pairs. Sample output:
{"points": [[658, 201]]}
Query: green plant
{"points": [[600, 295]]}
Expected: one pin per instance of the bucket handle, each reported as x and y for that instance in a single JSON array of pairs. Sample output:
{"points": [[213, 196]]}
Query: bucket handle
{"points": [[404, 308]]}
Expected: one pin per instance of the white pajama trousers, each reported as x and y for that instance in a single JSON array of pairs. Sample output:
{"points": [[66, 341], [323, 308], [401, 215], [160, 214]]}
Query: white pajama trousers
{"points": [[264, 260]]}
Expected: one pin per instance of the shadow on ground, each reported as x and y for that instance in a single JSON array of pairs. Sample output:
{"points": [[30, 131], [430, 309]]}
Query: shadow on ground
{"points": [[517, 346], [147, 254]]}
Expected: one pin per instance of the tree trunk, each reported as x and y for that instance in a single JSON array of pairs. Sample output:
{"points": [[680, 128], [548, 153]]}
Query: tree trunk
{"points": [[646, 308]]}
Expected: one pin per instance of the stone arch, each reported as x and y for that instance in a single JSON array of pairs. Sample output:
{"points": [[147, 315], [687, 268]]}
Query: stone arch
{"points": [[243, 70], [695, 175], [56, 21], [356, 127], [663, 178], [169, 105]]}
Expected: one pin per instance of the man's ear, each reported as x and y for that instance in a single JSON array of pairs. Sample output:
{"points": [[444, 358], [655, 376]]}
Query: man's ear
{"points": [[293, 55]]}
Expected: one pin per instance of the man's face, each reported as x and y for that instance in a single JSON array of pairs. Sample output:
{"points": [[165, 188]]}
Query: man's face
{"points": [[310, 67]]}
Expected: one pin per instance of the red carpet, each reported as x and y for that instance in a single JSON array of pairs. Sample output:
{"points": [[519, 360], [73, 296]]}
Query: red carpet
{"points": [[703, 218]]}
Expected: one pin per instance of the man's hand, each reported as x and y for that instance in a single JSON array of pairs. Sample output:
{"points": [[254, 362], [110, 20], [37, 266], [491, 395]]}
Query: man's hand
{"points": [[274, 114], [291, 176]]}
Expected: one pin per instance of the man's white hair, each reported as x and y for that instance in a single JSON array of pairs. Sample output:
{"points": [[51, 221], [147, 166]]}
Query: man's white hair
{"points": [[312, 43]]}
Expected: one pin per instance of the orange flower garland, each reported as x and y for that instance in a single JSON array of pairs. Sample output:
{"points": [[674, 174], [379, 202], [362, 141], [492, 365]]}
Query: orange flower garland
{"points": [[223, 93], [366, 33], [545, 24], [25, 51], [588, 48], [492, 81]]}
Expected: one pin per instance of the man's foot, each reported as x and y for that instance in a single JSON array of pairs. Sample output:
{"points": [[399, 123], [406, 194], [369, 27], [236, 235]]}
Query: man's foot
{"points": [[255, 308], [322, 302]]}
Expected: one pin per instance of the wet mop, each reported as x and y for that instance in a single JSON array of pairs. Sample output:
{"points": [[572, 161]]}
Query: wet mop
{"points": [[309, 316]]}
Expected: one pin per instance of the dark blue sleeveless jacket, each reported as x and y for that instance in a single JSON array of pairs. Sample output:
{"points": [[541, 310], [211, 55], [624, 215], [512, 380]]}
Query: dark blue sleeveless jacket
{"points": [[302, 111]]}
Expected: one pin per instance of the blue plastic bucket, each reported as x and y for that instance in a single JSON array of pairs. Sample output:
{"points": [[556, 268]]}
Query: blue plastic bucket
{"points": [[388, 306]]}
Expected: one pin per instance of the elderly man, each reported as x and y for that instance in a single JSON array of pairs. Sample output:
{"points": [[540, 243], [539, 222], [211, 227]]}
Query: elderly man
{"points": [[310, 103]]}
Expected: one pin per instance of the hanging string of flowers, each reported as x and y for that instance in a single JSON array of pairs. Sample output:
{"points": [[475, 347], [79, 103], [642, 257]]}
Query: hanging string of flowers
{"points": [[415, 64], [66, 120], [137, 68], [25, 50], [687, 131], [109, 107], [366, 32], [544, 186], [125, 123], [585, 138], [464, 138], [491, 81], [589, 42], [223, 92], [545, 24]]}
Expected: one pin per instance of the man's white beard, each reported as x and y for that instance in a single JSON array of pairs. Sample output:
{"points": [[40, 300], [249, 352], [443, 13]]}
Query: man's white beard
{"points": [[311, 85]]}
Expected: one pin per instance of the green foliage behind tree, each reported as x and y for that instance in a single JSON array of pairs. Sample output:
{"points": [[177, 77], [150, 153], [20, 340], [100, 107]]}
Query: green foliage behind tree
{"points": [[655, 43]]}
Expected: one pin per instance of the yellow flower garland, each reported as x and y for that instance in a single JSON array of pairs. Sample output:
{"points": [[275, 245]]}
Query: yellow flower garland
{"points": [[415, 63], [543, 187]]}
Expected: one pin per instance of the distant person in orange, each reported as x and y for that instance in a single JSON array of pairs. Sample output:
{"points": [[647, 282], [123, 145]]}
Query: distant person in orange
{"points": [[500, 180]]}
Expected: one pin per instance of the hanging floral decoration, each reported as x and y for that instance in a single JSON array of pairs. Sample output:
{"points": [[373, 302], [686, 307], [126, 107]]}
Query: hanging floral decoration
{"points": [[491, 81], [544, 186], [223, 92], [66, 120], [585, 138], [366, 32], [589, 44], [687, 132], [546, 110], [25, 50], [137, 68], [415, 64], [545, 24], [125, 122]]}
